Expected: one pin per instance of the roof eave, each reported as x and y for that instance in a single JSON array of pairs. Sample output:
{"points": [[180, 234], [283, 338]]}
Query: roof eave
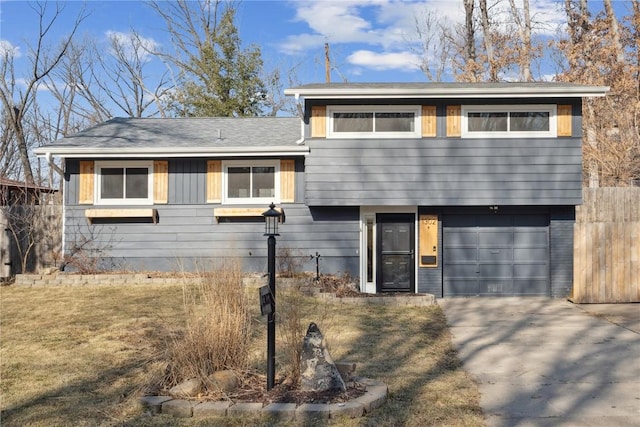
{"points": [[502, 92], [165, 152]]}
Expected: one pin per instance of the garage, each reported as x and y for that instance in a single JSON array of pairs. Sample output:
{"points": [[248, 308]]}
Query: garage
{"points": [[495, 255]]}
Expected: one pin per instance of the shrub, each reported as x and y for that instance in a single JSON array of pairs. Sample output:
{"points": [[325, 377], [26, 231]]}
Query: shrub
{"points": [[289, 261]]}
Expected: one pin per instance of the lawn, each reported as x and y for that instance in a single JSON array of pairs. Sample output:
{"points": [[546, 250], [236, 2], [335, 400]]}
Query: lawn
{"points": [[83, 356]]}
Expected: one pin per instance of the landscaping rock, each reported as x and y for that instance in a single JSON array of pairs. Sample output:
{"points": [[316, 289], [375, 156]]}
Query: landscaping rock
{"points": [[225, 381], [188, 388], [319, 372], [346, 370]]}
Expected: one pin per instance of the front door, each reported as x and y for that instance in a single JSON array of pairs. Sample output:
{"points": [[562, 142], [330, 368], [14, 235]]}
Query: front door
{"points": [[396, 270]]}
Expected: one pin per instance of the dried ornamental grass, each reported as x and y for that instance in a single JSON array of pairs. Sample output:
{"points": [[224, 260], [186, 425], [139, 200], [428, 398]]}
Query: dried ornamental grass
{"points": [[216, 332]]}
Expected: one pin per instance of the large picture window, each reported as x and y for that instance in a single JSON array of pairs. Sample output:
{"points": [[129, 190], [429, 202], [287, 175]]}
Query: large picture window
{"points": [[247, 182], [509, 121], [121, 183], [378, 121]]}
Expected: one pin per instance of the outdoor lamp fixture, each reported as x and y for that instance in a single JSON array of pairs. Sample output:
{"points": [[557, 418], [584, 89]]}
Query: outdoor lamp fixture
{"points": [[271, 219]]}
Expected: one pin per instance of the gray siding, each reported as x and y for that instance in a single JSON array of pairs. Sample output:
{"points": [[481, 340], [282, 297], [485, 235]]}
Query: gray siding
{"points": [[187, 234], [440, 172], [187, 231]]}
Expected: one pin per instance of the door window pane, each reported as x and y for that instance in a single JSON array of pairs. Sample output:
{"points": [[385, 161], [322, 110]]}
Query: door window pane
{"points": [[239, 182], [394, 122], [529, 121], [112, 183], [137, 183]]}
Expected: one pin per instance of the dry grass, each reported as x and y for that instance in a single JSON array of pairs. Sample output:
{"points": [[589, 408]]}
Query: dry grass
{"points": [[84, 356], [216, 333]]}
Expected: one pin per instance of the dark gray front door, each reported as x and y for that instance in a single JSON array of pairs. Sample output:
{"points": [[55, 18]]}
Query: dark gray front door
{"points": [[496, 255], [396, 270]]}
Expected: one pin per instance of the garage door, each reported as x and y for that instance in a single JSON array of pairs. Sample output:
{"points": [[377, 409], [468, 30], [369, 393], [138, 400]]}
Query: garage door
{"points": [[495, 255]]}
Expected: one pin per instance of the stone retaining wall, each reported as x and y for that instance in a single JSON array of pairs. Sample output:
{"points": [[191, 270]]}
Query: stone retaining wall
{"points": [[61, 279], [143, 279]]}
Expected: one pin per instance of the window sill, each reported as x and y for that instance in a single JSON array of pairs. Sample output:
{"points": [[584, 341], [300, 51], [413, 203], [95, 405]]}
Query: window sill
{"points": [[112, 215]]}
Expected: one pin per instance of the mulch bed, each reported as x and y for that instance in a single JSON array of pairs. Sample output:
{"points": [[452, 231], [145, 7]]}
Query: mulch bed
{"points": [[254, 389]]}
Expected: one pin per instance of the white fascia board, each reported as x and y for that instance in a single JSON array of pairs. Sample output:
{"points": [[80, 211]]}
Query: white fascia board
{"points": [[161, 152], [498, 93]]}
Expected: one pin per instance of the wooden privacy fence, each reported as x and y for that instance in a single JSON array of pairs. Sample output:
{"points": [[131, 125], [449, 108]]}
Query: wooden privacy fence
{"points": [[606, 254], [37, 229]]}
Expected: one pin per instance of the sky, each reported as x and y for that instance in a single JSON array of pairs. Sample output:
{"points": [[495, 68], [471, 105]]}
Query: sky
{"points": [[369, 40]]}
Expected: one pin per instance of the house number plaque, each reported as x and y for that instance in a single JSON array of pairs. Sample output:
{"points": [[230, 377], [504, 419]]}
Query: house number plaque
{"points": [[428, 240]]}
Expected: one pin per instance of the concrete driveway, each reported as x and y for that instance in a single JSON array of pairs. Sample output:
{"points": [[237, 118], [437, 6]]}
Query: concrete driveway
{"points": [[548, 362]]}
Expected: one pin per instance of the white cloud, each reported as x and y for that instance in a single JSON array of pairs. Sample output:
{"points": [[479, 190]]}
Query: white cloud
{"points": [[385, 23], [404, 61], [336, 22], [7, 48], [388, 27], [133, 45]]}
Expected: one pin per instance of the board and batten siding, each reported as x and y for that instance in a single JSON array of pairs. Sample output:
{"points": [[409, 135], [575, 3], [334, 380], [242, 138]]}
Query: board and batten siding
{"points": [[181, 181], [444, 172]]}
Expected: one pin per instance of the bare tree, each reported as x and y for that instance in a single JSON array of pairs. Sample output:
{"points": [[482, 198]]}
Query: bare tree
{"points": [[525, 49], [127, 84], [612, 149], [487, 36], [275, 101], [435, 47], [615, 31], [16, 100]]}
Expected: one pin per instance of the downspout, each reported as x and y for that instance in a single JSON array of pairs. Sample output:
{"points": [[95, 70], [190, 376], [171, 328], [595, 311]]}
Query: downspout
{"points": [[301, 114], [53, 165], [63, 243]]}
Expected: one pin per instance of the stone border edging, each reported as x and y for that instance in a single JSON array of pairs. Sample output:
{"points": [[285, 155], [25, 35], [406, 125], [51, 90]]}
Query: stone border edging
{"points": [[142, 279], [419, 300], [374, 396]]}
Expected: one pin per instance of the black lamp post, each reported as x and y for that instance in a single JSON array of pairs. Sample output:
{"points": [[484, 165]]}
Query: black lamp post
{"points": [[271, 219]]}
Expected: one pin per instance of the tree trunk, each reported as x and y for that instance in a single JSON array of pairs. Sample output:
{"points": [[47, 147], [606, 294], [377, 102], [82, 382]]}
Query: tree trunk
{"points": [[21, 142], [488, 41], [615, 31], [469, 30], [524, 30]]}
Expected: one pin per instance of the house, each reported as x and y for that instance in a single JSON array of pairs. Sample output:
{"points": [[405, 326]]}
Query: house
{"points": [[445, 188], [13, 193]]}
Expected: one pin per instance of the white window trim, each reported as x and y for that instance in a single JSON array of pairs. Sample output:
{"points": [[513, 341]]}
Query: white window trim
{"points": [[552, 109], [250, 200], [417, 125], [123, 164]]}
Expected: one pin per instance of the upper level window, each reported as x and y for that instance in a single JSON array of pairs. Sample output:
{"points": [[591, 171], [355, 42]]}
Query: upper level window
{"points": [[251, 182], [505, 121], [121, 183], [378, 121]]}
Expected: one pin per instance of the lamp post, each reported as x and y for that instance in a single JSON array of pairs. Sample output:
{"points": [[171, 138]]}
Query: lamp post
{"points": [[271, 218]]}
